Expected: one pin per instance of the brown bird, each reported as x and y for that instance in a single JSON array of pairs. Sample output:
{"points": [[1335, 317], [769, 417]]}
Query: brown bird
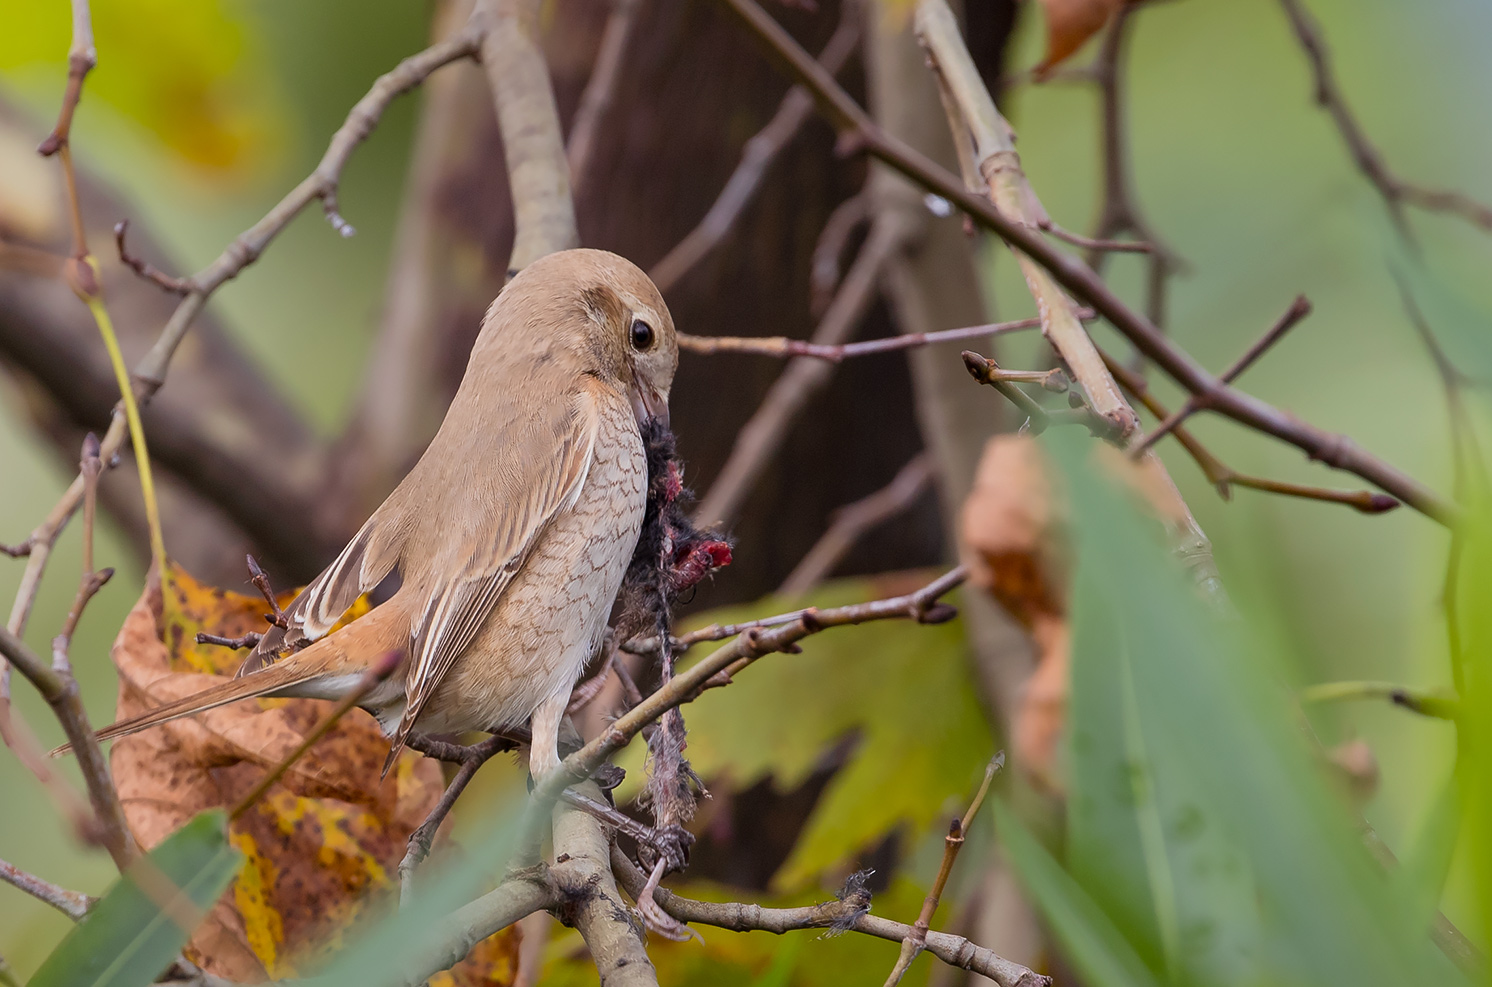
{"points": [[511, 534]]}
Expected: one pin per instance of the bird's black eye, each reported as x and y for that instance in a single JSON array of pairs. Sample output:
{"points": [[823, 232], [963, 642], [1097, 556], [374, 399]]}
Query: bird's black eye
{"points": [[642, 335]]}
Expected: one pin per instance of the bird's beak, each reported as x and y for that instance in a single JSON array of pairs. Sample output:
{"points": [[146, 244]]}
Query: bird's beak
{"points": [[648, 403]]}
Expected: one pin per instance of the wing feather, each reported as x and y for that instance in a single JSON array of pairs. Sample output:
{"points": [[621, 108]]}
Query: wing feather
{"points": [[456, 608]]}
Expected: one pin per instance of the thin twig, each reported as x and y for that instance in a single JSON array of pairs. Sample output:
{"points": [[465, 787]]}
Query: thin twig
{"points": [[849, 913], [1396, 192], [92, 580], [916, 940], [176, 286], [1298, 310], [860, 132], [73, 904], [759, 439], [61, 693], [850, 522], [782, 346], [1222, 477], [992, 166], [600, 91], [824, 268], [1120, 212], [756, 158], [1098, 246], [1440, 707], [921, 606]]}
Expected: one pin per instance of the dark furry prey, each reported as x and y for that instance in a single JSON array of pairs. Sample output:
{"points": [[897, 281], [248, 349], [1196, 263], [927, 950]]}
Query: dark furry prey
{"points": [[672, 557]]}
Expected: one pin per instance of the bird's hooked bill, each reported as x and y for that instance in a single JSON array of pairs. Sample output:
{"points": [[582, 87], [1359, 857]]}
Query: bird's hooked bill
{"points": [[648, 403]]}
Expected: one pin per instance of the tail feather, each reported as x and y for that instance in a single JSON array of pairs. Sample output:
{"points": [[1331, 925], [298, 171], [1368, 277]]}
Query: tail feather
{"points": [[340, 654], [261, 683]]}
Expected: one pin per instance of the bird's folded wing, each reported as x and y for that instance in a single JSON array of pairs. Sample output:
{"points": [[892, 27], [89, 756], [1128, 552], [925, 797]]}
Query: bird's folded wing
{"points": [[361, 566], [456, 609]]}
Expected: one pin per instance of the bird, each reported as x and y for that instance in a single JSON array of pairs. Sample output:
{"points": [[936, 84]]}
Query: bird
{"points": [[511, 534]]}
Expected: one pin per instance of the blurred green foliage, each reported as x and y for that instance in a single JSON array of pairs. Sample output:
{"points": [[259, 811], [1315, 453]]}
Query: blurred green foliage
{"points": [[1201, 838]]}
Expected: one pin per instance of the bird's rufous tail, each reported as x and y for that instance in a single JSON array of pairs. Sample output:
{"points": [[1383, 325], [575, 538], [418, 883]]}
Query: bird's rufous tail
{"points": [[343, 653]]}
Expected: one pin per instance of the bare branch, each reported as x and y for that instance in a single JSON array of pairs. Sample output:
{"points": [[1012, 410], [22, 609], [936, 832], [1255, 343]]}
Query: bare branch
{"points": [[921, 606], [916, 940], [176, 286], [852, 521], [73, 904], [61, 693], [592, 902], [600, 90], [539, 175], [851, 910], [1396, 192], [989, 153], [1120, 212], [756, 158], [861, 132], [1224, 478], [782, 346], [1298, 310], [760, 437]]}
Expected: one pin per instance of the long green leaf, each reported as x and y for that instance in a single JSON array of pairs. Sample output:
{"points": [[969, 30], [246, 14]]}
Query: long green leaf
{"points": [[127, 939], [1233, 750], [1090, 941]]}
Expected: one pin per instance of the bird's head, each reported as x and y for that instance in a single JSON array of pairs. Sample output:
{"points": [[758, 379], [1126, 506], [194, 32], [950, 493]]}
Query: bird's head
{"points": [[612, 318]]}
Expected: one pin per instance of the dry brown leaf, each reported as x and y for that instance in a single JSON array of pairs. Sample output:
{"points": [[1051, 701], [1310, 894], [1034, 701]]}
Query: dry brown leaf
{"points": [[1069, 24], [320, 845], [1010, 538]]}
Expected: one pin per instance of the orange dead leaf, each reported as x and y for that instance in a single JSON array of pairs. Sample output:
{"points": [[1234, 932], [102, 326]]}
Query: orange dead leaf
{"points": [[1069, 24], [321, 844], [1010, 538]]}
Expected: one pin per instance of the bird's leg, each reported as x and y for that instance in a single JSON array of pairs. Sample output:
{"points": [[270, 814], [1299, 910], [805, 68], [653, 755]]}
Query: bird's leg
{"points": [[470, 758]]}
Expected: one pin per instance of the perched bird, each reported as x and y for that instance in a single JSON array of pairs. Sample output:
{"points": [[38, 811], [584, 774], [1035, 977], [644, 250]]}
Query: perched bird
{"points": [[511, 534]]}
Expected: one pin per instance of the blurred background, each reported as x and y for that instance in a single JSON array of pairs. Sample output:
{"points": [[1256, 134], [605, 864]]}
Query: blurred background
{"points": [[202, 114]]}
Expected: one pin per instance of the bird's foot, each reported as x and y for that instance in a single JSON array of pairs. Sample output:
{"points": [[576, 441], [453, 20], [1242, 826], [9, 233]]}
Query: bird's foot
{"points": [[666, 844]]}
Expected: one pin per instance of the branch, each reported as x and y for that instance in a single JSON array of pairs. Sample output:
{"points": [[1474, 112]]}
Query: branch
{"points": [[1120, 212], [849, 913], [782, 346], [583, 872], [1223, 477], [61, 693], [600, 91], [1298, 310], [852, 521], [756, 157], [989, 153], [73, 904], [519, 895], [916, 940], [539, 175], [149, 374], [921, 606], [859, 131], [1396, 192], [760, 437]]}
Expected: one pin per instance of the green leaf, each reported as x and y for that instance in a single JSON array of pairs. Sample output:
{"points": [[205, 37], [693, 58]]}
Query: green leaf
{"points": [[898, 691], [128, 938], [1151, 853], [1220, 735], [1090, 941]]}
